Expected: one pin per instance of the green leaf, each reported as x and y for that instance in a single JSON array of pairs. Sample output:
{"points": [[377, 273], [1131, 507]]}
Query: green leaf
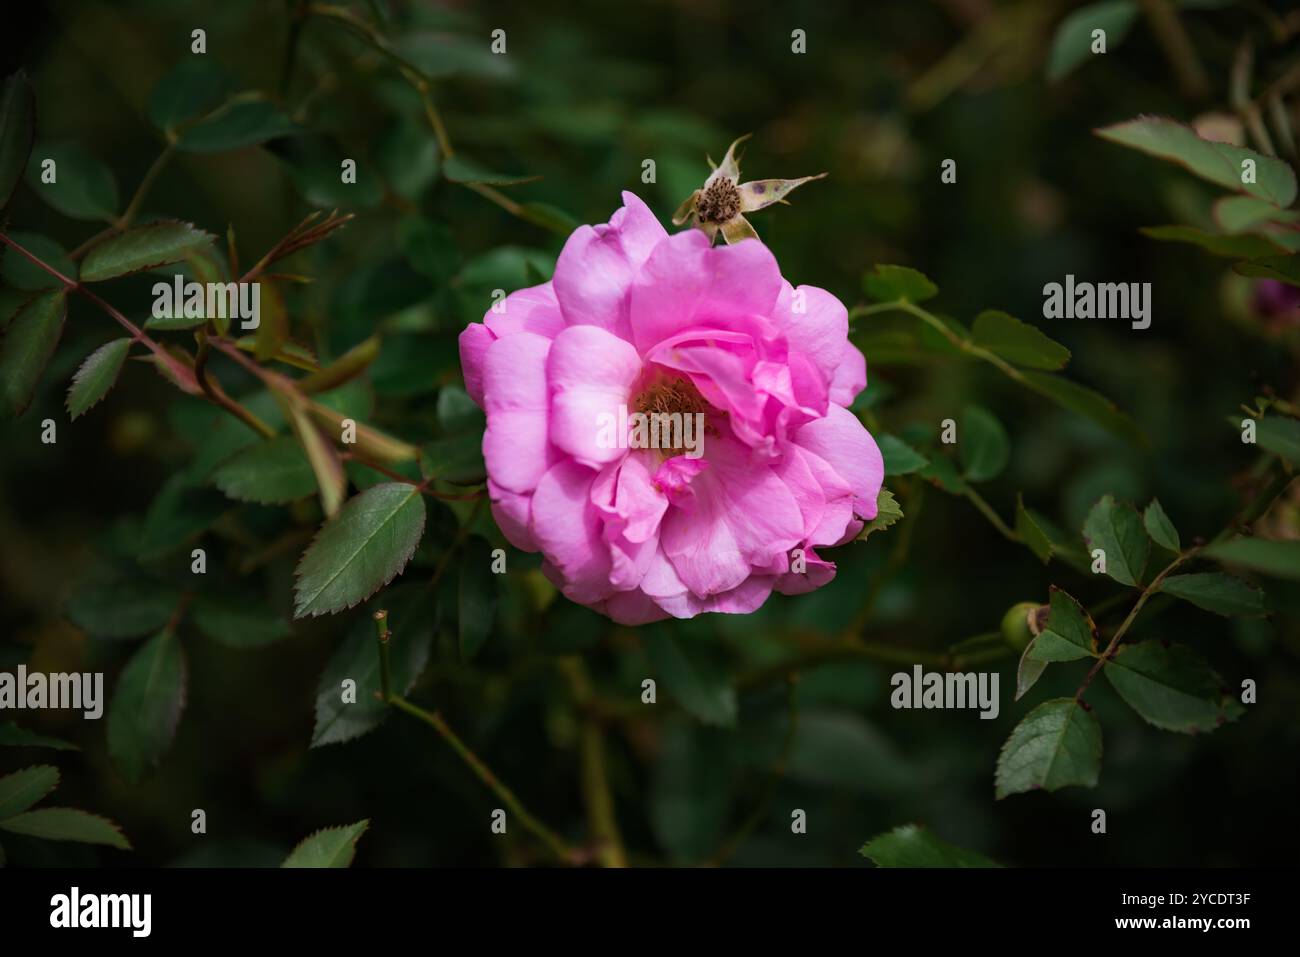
{"points": [[983, 447], [458, 456], [1084, 401], [1235, 214], [942, 472], [1279, 435], [892, 283], [174, 323], [1279, 559], [329, 847], [1018, 342], [1116, 528], [342, 370], [67, 824], [1239, 246], [17, 131], [1282, 268], [361, 550], [689, 797], [407, 156], [314, 164], [1073, 42], [900, 458], [702, 692], [1069, 634], [146, 706], [888, 511], [179, 513], [458, 169], [442, 53], [241, 123], [274, 472], [96, 376], [1220, 163], [141, 248], [22, 789], [1160, 528], [457, 459], [193, 88], [1032, 533], [913, 846], [457, 412], [549, 217], [1056, 745], [412, 617], [1217, 592], [28, 343], [1171, 687], [1028, 671], [83, 187], [121, 605], [273, 322], [238, 622], [322, 455], [476, 597], [429, 248], [13, 736]]}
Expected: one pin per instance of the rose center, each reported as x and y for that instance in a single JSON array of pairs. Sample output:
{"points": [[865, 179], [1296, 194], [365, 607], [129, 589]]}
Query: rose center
{"points": [[669, 395], [718, 202], [675, 416]]}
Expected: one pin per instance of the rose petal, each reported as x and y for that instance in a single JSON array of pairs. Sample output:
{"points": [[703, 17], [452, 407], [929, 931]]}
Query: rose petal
{"points": [[515, 446], [842, 441], [591, 373], [594, 274], [743, 515], [566, 525], [687, 283]]}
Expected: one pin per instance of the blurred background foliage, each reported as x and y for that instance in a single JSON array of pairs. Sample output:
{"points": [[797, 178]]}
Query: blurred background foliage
{"points": [[585, 93]]}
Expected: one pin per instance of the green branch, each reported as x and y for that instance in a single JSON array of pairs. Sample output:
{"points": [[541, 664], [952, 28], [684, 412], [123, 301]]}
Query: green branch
{"points": [[553, 842]]}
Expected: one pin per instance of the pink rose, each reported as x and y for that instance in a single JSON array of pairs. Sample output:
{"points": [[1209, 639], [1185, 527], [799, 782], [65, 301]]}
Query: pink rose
{"points": [[637, 321]]}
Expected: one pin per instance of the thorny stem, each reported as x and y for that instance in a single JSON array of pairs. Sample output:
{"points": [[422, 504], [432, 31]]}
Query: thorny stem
{"points": [[996, 520], [183, 374], [382, 634], [422, 84], [1177, 47], [178, 369], [286, 386], [421, 487], [964, 345], [298, 17], [554, 843], [217, 396], [433, 719], [1123, 628], [596, 794]]}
